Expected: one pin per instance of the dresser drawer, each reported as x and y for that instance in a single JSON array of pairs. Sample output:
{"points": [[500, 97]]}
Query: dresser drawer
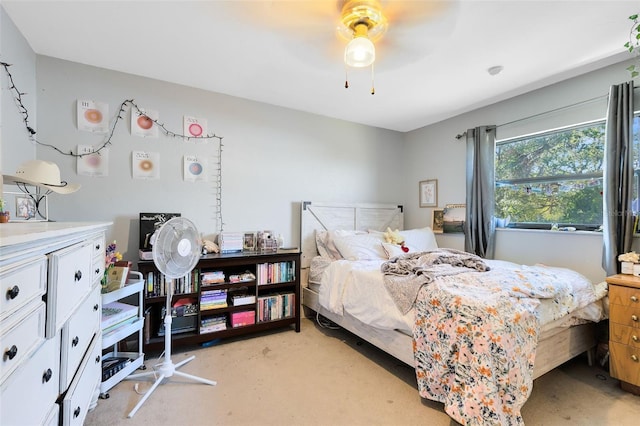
{"points": [[21, 335], [626, 315], [77, 335], [625, 362], [70, 280], [98, 247], [28, 394], [624, 334], [98, 256], [624, 296], [78, 398], [21, 283]]}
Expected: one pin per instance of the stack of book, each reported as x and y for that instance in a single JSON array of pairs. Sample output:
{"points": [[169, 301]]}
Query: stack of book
{"points": [[213, 299], [230, 242], [281, 272], [276, 306], [117, 314], [211, 324]]}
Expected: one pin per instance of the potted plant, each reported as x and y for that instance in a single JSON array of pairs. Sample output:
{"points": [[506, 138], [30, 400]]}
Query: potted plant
{"points": [[4, 215], [633, 45]]}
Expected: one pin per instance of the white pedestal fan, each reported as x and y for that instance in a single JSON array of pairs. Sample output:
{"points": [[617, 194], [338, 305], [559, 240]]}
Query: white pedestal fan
{"points": [[176, 252]]}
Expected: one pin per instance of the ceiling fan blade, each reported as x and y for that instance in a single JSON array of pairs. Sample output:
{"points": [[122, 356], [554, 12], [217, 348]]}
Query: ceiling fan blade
{"points": [[410, 12]]}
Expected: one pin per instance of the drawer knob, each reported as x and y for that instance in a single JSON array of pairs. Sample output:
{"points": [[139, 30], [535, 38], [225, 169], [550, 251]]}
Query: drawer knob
{"points": [[47, 375], [78, 275], [97, 247], [634, 357], [76, 412], [75, 341], [634, 298], [11, 353], [97, 359], [97, 271], [634, 317], [13, 292], [634, 338], [96, 307]]}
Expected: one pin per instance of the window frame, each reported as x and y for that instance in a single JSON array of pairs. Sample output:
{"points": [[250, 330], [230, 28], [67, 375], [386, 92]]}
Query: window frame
{"points": [[542, 179]]}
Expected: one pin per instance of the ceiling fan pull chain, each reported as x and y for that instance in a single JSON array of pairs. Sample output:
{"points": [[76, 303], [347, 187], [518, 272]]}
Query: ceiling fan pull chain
{"points": [[346, 77], [373, 89]]}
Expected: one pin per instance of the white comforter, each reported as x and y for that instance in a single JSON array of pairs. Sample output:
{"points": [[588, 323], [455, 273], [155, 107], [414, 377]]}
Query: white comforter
{"points": [[357, 288]]}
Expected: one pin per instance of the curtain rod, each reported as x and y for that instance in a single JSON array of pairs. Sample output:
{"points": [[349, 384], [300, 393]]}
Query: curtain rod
{"points": [[463, 134]]}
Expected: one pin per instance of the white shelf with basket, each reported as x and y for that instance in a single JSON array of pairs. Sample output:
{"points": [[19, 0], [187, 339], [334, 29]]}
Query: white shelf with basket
{"points": [[134, 285]]}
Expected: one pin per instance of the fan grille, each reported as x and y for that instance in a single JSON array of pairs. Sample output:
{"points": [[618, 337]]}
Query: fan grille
{"points": [[176, 250]]}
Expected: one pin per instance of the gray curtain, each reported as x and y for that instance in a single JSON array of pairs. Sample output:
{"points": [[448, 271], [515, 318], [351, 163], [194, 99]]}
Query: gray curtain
{"points": [[479, 225], [618, 177]]}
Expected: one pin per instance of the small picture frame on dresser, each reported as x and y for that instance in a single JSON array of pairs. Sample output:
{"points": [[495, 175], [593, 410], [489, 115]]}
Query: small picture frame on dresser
{"points": [[249, 241], [28, 207]]}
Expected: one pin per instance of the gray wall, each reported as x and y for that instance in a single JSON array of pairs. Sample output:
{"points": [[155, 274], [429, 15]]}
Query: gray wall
{"points": [[433, 152], [15, 146]]}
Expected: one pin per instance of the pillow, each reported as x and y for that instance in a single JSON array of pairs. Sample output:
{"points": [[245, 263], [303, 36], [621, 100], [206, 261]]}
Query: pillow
{"points": [[393, 250], [325, 244], [361, 247], [421, 239], [324, 249]]}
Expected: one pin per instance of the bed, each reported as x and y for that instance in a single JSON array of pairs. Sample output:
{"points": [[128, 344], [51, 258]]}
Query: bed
{"points": [[342, 256]]}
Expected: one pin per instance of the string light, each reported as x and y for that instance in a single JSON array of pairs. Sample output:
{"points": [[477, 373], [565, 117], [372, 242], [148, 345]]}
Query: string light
{"points": [[31, 132], [25, 118]]}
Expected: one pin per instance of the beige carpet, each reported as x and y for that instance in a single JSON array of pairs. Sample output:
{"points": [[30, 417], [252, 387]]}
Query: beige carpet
{"points": [[329, 377]]}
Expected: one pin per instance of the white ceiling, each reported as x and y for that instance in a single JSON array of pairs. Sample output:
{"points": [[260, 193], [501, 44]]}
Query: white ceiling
{"points": [[430, 66]]}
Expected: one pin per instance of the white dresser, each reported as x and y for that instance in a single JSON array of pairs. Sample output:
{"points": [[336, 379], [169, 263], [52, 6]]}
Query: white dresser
{"points": [[50, 310]]}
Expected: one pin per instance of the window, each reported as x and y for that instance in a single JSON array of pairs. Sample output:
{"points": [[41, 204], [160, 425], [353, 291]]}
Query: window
{"points": [[556, 177], [552, 177]]}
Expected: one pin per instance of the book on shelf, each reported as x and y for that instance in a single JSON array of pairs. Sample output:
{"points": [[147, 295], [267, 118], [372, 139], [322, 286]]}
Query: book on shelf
{"points": [[231, 242], [276, 306], [213, 299], [116, 278], [156, 284], [272, 273], [116, 312], [211, 324], [106, 332], [111, 365]]}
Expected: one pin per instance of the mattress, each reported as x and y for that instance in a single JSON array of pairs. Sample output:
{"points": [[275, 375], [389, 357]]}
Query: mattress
{"points": [[357, 288]]}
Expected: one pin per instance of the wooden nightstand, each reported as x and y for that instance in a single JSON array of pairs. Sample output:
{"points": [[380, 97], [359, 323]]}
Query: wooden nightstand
{"points": [[624, 330]]}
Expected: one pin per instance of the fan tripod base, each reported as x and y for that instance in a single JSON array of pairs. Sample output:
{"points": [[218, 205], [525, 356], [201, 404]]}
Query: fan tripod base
{"points": [[166, 370]]}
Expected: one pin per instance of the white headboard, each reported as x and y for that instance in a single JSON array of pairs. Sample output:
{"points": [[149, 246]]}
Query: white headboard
{"points": [[329, 216]]}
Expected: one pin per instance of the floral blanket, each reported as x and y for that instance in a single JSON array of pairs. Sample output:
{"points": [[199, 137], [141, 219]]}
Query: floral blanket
{"points": [[475, 338]]}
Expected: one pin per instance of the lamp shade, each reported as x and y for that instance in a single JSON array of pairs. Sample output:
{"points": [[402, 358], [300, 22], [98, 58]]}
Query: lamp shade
{"points": [[360, 52]]}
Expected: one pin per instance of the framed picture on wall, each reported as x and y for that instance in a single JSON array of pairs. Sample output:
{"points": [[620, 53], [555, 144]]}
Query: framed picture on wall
{"points": [[428, 193], [437, 221]]}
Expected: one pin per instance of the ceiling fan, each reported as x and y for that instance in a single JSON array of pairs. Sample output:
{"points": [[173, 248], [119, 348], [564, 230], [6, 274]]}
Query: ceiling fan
{"points": [[318, 32]]}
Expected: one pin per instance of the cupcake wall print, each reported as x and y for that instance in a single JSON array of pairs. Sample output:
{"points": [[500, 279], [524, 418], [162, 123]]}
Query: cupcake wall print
{"points": [[93, 116], [195, 168], [145, 165], [195, 127], [143, 123]]}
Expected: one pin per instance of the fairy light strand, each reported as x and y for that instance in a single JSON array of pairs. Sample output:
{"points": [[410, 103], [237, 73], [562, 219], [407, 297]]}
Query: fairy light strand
{"points": [[31, 134]]}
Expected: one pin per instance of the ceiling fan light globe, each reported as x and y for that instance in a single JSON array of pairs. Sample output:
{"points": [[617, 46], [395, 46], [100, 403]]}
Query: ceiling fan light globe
{"points": [[360, 52]]}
